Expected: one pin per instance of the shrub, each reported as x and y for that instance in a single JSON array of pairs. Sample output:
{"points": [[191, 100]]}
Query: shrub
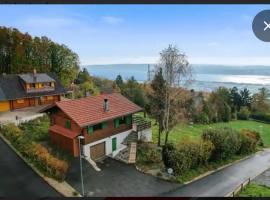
{"points": [[188, 154], [149, 154], [226, 142], [254, 135], [202, 118], [167, 151], [50, 164], [243, 113], [248, 143], [11, 132], [261, 116]]}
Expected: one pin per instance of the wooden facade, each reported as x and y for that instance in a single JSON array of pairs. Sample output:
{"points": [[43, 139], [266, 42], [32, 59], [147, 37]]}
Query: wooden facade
{"points": [[59, 118], [34, 101]]}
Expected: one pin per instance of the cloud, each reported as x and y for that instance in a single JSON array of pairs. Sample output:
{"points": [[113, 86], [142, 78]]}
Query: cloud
{"points": [[212, 44], [112, 20], [48, 22], [119, 60]]}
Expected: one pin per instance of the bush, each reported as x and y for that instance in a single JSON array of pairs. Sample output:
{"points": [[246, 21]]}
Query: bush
{"points": [[167, 151], [50, 164], [243, 113], [261, 116], [254, 135], [11, 132], [226, 142], [188, 154], [202, 118], [248, 143]]}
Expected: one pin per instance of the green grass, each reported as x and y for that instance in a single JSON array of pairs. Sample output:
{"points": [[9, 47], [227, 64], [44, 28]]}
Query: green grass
{"points": [[194, 131], [255, 190]]}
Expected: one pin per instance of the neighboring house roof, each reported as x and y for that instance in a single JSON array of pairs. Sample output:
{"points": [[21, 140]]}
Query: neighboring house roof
{"points": [[63, 131], [11, 88], [89, 110], [38, 78]]}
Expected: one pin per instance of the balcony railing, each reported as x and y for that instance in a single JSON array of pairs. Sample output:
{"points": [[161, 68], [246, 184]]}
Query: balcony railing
{"points": [[140, 123], [43, 89]]}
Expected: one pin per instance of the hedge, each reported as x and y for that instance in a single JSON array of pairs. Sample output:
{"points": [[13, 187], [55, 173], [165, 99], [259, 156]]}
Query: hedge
{"points": [[261, 116], [40, 156]]}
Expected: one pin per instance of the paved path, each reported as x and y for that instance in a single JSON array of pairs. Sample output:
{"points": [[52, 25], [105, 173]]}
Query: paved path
{"points": [[222, 182], [19, 180]]}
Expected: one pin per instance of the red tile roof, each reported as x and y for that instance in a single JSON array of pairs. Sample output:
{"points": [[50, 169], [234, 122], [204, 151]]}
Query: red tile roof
{"points": [[89, 110], [63, 131]]}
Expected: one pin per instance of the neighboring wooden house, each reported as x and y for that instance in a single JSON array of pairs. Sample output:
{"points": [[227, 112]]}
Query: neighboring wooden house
{"points": [[104, 121], [25, 90]]}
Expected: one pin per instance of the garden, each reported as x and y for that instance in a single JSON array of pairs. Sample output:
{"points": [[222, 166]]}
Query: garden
{"points": [[31, 140]]}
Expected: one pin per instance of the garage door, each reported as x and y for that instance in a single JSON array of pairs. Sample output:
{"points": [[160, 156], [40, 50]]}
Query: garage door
{"points": [[97, 151], [4, 106]]}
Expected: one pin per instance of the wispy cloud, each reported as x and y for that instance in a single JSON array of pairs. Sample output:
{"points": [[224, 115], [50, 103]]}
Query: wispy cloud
{"points": [[112, 20], [212, 44], [48, 22]]}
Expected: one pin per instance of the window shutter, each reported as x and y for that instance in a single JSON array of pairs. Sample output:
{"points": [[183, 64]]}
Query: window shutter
{"points": [[116, 123], [128, 120], [104, 125], [68, 124], [90, 129]]}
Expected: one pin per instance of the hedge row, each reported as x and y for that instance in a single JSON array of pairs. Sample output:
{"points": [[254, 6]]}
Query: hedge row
{"points": [[215, 145], [35, 153], [261, 116]]}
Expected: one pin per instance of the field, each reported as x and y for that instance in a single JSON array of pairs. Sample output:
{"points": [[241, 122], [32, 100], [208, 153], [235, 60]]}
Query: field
{"points": [[194, 131], [255, 190]]}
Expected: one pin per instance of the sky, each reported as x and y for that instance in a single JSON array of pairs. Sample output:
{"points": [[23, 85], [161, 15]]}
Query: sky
{"points": [[113, 34]]}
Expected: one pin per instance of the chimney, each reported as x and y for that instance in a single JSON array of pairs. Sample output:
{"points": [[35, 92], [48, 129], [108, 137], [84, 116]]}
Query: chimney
{"points": [[35, 75], [106, 105]]}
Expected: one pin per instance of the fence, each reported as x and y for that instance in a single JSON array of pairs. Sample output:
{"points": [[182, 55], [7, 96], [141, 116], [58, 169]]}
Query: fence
{"points": [[238, 188]]}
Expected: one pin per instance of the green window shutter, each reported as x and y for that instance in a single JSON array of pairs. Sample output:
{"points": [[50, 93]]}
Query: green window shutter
{"points": [[128, 120], [104, 125], [68, 124], [90, 129], [116, 123]]}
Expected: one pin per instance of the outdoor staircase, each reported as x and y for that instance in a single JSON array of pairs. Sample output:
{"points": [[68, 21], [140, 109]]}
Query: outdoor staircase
{"points": [[132, 137], [128, 155]]}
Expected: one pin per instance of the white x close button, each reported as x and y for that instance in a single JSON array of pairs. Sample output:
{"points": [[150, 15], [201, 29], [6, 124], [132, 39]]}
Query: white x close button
{"points": [[261, 25], [267, 25]]}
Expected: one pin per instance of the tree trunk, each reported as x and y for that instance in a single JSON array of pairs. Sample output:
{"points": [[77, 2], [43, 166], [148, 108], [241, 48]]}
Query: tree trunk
{"points": [[166, 137]]}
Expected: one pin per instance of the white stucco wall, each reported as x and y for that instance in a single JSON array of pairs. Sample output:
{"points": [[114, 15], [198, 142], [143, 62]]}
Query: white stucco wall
{"points": [[145, 135], [108, 143]]}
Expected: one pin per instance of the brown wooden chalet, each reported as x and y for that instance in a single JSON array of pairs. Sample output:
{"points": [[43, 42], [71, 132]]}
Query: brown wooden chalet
{"points": [[25, 90], [104, 121]]}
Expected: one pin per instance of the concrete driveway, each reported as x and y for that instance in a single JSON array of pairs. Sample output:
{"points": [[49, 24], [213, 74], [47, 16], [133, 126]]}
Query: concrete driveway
{"points": [[116, 179], [19, 180], [24, 114]]}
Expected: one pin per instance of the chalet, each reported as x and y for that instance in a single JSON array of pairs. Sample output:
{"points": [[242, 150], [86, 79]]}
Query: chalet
{"points": [[104, 121], [25, 90]]}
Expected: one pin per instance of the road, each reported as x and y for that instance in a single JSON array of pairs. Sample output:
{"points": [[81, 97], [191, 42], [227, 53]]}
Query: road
{"points": [[224, 181], [18, 180]]}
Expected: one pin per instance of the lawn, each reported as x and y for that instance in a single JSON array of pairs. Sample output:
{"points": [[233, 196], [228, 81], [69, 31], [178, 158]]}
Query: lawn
{"points": [[194, 131], [255, 190]]}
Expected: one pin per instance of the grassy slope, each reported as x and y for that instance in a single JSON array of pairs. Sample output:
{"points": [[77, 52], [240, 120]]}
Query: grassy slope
{"points": [[255, 190], [194, 131]]}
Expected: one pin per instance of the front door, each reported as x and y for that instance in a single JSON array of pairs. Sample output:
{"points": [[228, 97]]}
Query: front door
{"points": [[114, 143]]}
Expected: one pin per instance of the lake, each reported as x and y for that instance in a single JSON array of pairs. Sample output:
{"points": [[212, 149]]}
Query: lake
{"points": [[206, 77]]}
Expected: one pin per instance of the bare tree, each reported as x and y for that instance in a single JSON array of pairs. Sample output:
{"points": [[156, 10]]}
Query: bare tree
{"points": [[177, 72]]}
